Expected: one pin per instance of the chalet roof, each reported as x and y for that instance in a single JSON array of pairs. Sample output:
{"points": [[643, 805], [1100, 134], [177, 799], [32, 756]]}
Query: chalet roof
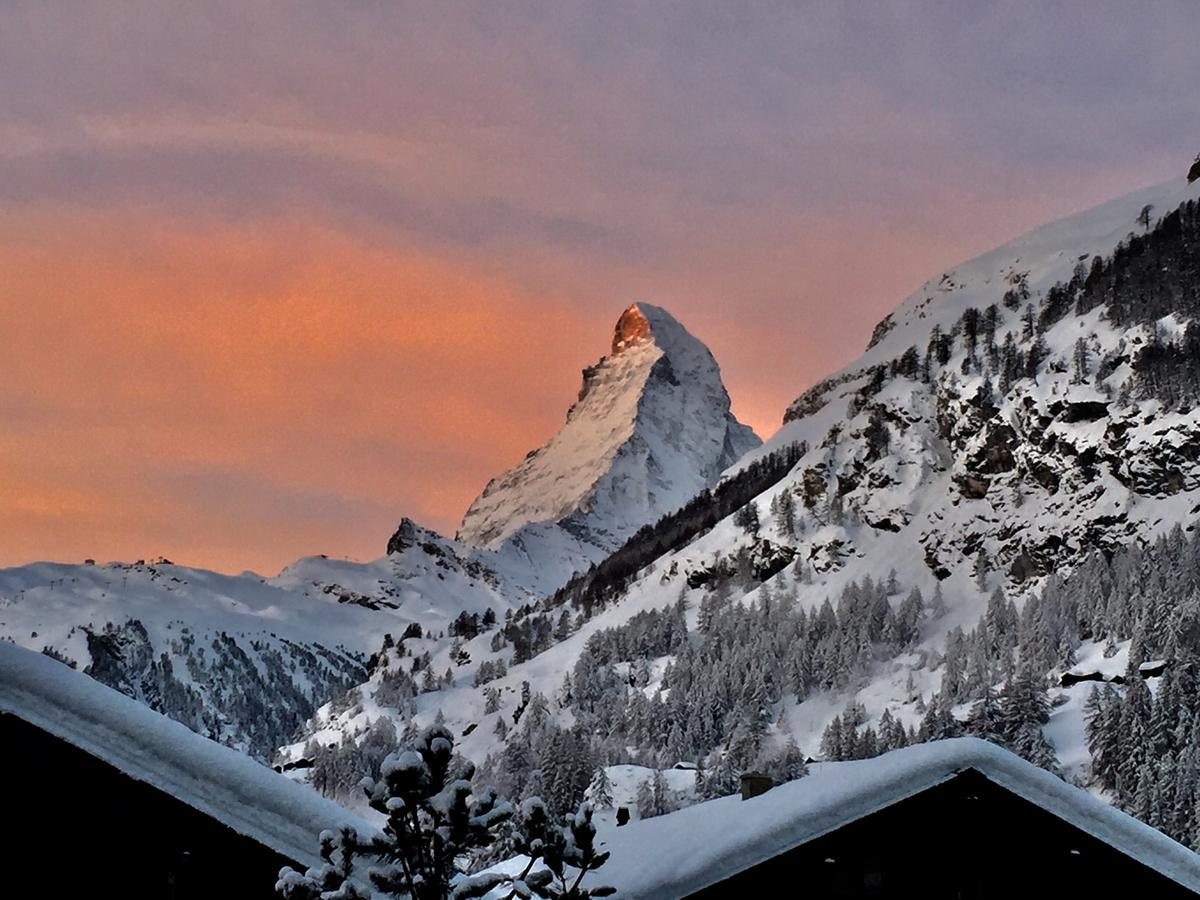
{"points": [[232, 788], [680, 853]]}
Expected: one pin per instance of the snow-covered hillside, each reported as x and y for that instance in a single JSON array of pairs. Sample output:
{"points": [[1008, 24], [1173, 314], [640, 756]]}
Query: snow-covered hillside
{"points": [[1015, 414], [998, 491], [246, 659], [651, 429], [240, 658]]}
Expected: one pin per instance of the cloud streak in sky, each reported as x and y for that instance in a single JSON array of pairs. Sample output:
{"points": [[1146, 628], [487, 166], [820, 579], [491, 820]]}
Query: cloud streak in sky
{"points": [[274, 275]]}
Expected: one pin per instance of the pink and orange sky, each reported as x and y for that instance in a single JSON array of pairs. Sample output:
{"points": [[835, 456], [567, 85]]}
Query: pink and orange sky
{"points": [[273, 275]]}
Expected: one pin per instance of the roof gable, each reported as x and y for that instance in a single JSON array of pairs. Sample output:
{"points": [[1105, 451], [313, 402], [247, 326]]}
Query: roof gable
{"points": [[224, 784], [659, 857]]}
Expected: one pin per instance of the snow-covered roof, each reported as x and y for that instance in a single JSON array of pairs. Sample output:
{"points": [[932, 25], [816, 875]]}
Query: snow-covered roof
{"points": [[680, 853], [232, 788]]}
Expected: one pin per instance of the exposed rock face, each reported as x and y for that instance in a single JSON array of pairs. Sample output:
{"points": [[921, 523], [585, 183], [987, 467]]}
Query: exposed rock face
{"points": [[406, 535], [1059, 478], [1012, 417], [651, 428], [631, 327], [1030, 467], [963, 453]]}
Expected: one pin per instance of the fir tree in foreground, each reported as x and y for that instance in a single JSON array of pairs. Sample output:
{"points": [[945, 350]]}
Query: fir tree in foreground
{"points": [[435, 822], [566, 853]]}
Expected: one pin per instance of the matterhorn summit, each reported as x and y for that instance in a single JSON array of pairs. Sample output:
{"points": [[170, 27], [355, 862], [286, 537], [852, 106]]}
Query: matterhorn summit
{"points": [[651, 428]]}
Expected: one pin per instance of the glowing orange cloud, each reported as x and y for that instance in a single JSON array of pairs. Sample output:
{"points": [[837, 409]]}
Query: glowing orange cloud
{"points": [[239, 393], [238, 396], [270, 279]]}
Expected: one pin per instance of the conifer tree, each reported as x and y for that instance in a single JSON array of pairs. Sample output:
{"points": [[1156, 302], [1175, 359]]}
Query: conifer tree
{"points": [[553, 852], [746, 518], [599, 792], [720, 780], [789, 764], [645, 800], [784, 506], [1081, 360], [434, 820], [984, 720]]}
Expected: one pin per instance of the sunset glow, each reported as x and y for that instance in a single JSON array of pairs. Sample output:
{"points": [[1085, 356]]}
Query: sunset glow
{"points": [[266, 286]]}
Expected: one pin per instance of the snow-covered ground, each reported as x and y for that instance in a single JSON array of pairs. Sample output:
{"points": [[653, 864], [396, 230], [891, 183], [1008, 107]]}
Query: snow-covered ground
{"points": [[966, 473], [910, 511]]}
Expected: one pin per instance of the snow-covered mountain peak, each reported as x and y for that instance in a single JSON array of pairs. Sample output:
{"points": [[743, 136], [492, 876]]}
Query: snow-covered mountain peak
{"points": [[651, 427], [919, 538], [642, 322], [632, 327]]}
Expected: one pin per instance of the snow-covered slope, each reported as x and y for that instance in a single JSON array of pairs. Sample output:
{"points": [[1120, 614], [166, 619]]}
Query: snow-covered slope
{"points": [[1013, 415], [1031, 468], [1029, 266], [236, 658], [651, 429], [245, 659]]}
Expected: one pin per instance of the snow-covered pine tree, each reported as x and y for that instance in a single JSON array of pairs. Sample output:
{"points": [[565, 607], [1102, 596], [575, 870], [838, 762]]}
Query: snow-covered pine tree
{"points": [[984, 720], [660, 794], [939, 722], [1081, 361], [720, 780], [599, 792], [937, 605], [434, 820], [1024, 709], [788, 765], [559, 859], [644, 798], [833, 740], [981, 566], [746, 518], [785, 513]]}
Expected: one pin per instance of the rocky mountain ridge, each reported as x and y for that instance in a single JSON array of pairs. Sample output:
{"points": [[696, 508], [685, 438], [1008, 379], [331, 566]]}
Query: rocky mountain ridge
{"points": [[1015, 417], [651, 428], [246, 659], [930, 529]]}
